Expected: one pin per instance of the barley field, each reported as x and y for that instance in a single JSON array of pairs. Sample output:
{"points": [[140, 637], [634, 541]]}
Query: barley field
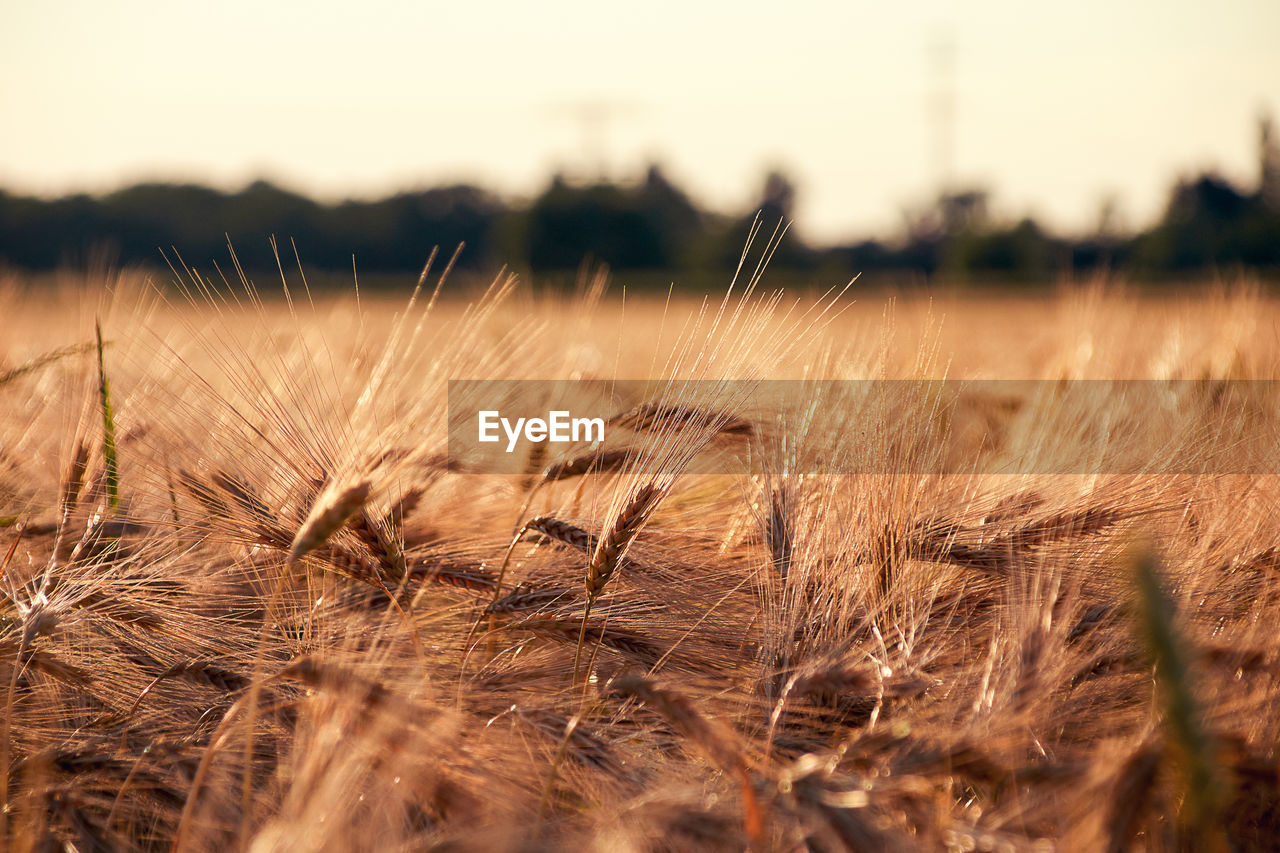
{"points": [[247, 602]]}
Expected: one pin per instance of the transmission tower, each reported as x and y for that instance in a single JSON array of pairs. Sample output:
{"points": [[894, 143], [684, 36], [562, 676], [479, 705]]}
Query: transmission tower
{"points": [[595, 119], [942, 110]]}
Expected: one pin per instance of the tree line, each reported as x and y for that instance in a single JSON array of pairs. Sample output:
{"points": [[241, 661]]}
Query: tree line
{"points": [[646, 224]]}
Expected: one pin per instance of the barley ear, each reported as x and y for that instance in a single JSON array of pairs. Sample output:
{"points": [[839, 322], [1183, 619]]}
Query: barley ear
{"points": [[326, 519], [618, 536], [45, 359], [1183, 719], [610, 549], [112, 472]]}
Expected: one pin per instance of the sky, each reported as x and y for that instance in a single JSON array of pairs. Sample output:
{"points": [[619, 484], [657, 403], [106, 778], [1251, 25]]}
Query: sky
{"points": [[1057, 107]]}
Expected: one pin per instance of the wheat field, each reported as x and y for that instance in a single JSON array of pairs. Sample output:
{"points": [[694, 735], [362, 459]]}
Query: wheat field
{"points": [[247, 603]]}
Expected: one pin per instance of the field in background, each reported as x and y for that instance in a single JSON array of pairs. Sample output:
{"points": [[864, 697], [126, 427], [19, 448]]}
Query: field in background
{"points": [[246, 604]]}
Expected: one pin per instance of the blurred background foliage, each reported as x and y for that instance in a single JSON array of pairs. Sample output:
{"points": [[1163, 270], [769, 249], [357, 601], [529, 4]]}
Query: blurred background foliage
{"points": [[646, 224]]}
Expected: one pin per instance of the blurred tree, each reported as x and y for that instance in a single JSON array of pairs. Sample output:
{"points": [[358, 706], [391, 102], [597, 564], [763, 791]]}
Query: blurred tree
{"points": [[723, 245], [652, 225], [44, 234], [398, 233], [777, 197], [567, 224], [1022, 252], [679, 221], [1208, 221], [964, 211]]}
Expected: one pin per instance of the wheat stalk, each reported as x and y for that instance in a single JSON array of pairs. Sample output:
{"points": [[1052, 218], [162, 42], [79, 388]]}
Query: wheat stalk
{"points": [[594, 462], [327, 518], [612, 545], [1183, 717], [111, 469], [563, 531], [617, 538], [668, 417]]}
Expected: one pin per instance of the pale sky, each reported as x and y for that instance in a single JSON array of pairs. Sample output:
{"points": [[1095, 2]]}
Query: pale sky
{"points": [[1058, 105]]}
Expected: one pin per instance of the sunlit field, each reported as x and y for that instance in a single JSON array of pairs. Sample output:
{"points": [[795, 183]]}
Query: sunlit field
{"points": [[250, 601]]}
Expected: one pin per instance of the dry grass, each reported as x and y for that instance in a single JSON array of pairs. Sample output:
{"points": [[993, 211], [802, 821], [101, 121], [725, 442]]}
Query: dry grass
{"points": [[262, 612]]}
